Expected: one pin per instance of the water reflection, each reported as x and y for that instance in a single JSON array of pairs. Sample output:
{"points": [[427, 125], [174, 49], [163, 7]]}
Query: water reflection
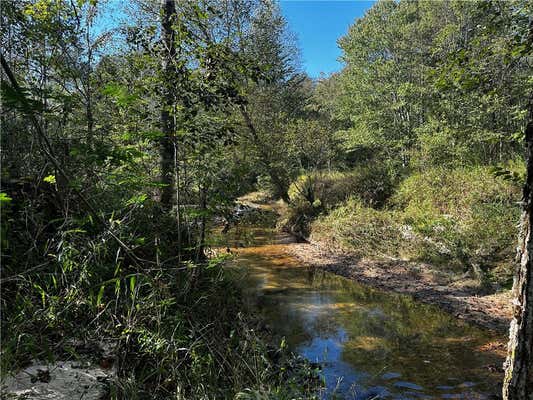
{"points": [[370, 344]]}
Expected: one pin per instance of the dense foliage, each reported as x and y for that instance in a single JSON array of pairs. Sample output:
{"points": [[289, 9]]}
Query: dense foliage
{"points": [[430, 87], [432, 101], [122, 139]]}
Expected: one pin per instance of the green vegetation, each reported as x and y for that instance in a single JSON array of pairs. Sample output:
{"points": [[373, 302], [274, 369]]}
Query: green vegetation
{"points": [[427, 132], [119, 145], [457, 219], [321, 191], [122, 140]]}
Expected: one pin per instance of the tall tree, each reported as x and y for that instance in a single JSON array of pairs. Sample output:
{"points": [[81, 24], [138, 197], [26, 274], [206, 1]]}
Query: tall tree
{"points": [[384, 83], [167, 146], [274, 96], [518, 382]]}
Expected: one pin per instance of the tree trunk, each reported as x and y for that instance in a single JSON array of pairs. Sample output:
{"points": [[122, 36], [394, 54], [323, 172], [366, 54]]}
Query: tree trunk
{"points": [[282, 189], [518, 381], [166, 145], [88, 90]]}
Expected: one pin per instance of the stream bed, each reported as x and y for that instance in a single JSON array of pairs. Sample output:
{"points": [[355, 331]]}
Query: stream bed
{"points": [[370, 344]]}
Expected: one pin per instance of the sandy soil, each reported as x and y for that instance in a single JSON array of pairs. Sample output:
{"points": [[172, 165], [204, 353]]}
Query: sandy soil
{"points": [[464, 301]]}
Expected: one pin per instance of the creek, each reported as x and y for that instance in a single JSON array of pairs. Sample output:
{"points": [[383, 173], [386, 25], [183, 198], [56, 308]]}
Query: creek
{"points": [[368, 343]]}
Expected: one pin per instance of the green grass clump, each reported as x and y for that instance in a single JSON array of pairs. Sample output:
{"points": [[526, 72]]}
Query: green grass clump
{"points": [[371, 184], [359, 229]]}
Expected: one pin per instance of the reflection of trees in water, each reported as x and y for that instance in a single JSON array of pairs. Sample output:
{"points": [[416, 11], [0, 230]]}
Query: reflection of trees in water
{"points": [[386, 332], [292, 313], [241, 236], [395, 333]]}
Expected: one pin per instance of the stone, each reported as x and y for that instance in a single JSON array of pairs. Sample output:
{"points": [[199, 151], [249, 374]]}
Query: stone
{"points": [[62, 380]]}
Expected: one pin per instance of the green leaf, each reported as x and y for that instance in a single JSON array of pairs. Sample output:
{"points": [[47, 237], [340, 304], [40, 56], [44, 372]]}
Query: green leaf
{"points": [[133, 281], [136, 200], [51, 179], [149, 135], [4, 198], [117, 287], [100, 295], [120, 94], [41, 292], [19, 99]]}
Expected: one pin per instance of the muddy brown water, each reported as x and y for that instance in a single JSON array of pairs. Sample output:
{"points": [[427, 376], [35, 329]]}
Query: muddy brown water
{"points": [[370, 344]]}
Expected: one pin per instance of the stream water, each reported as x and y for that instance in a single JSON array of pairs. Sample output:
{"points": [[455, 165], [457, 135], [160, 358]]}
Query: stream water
{"points": [[369, 343]]}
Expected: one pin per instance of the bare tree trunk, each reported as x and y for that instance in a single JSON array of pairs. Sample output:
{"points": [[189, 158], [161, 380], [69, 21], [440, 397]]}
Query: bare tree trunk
{"points": [[518, 381], [166, 149]]}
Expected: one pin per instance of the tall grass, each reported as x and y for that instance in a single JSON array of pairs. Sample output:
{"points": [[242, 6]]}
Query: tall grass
{"points": [[170, 329], [318, 192]]}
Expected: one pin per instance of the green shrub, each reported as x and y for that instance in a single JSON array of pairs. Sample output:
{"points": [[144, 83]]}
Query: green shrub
{"points": [[465, 216], [453, 191], [328, 189], [359, 229], [318, 192], [459, 219]]}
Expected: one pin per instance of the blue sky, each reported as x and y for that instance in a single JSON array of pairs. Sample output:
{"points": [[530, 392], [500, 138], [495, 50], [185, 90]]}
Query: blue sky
{"points": [[318, 24]]}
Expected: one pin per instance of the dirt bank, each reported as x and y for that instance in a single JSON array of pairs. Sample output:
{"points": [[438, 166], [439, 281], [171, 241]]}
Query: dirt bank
{"points": [[491, 311]]}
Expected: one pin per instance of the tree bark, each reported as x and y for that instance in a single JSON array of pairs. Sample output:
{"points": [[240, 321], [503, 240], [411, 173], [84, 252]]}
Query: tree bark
{"points": [[518, 381], [166, 145]]}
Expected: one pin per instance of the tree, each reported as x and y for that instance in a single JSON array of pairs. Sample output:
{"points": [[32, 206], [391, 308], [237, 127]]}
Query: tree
{"points": [[275, 93], [384, 84], [518, 382], [167, 152]]}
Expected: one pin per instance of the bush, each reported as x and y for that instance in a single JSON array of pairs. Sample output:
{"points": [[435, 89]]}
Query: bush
{"points": [[318, 192], [465, 216], [459, 219], [328, 189], [359, 229]]}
